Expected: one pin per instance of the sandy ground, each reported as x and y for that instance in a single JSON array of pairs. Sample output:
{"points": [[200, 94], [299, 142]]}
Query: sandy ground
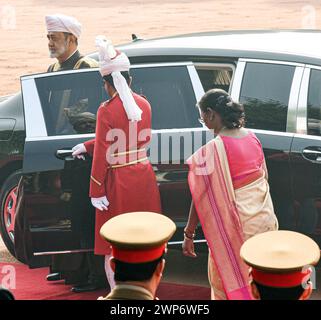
{"points": [[23, 44]]}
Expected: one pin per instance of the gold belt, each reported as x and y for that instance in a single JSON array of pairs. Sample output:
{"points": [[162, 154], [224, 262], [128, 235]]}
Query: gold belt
{"points": [[127, 152], [128, 163], [131, 162]]}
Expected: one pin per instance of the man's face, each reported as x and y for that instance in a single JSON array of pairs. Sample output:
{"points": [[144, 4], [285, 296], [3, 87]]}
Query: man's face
{"points": [[57, 43]]}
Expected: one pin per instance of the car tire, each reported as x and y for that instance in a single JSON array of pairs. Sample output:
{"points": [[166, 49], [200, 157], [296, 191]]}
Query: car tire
{"points": [[8, 199]]}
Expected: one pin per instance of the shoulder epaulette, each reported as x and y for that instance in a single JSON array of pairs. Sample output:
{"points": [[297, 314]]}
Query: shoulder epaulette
{"points": [[89, 61]]}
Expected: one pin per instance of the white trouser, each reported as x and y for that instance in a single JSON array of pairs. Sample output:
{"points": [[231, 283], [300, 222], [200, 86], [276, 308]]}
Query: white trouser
{"points": [[109, 272]]}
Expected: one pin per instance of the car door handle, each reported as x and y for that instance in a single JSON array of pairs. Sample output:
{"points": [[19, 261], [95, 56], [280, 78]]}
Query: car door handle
{"points": [[64, 154], [312, 154]]}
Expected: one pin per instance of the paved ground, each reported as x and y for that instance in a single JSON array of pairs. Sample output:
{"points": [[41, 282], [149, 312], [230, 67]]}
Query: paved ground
{"points": [[5, 256], [194, 271]]}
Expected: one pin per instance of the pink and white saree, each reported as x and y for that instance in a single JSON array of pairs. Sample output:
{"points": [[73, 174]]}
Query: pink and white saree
{"points": [[228, 217]]}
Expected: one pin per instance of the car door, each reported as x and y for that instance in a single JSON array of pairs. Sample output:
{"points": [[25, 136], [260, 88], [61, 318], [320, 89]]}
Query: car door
{"points": [[269, 91], [60, 111], [306, 156]]}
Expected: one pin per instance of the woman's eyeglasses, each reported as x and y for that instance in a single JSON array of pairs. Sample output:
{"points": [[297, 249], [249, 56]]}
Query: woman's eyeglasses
{"points": [[201, 120]]}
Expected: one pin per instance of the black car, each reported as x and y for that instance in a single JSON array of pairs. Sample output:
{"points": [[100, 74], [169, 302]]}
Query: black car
{"points": [[275, 74]]}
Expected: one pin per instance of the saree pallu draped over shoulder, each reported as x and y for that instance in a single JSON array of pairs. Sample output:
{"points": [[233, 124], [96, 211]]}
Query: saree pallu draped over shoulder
{"points": [[215, 200]]}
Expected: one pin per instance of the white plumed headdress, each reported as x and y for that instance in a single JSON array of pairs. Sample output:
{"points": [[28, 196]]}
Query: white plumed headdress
{"points": [[114, 62]]}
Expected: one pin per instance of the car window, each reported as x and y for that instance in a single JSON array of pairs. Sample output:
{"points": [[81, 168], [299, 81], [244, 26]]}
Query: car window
{"points": [[170, 93], [314, 103], [218, 78], [70, 102], [265, 94]]}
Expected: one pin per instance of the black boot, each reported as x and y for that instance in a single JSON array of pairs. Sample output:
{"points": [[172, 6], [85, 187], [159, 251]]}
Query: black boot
{"points": [[96, 278], [87, 287], [54, 276]]}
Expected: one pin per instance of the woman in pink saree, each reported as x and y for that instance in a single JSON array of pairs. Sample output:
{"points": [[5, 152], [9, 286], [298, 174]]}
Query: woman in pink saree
{"points": [[228, 180]]}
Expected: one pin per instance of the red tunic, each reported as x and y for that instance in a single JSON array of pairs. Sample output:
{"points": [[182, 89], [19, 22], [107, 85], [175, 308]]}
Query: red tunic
{"points": [[128, 188]]}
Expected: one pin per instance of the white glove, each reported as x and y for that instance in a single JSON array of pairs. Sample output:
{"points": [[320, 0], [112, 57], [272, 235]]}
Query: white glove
{"points": [[78, 150], [100, 203]]}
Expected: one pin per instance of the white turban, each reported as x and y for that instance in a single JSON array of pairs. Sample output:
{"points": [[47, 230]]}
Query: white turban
{"points": [[112, 62], [62, 23]]}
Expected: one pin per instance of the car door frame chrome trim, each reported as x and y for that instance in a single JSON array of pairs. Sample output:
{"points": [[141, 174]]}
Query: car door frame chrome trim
{"points": [[172, 243], [291, 124], [301, 123], [289, 63], [273, 133], [134, 66], [156, 131], [92, 135], [197, 86], [46, 253], [62, 137], [162, 64], [307, 137], [179, 130], [291, 121], [39, 133], [35, 116], [196, 82], [209, 65], [311, 66], [236, 84]]}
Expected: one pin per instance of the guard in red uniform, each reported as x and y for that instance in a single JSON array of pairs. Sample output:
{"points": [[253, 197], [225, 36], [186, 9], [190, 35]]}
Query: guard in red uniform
{"points": [[122, 179]]}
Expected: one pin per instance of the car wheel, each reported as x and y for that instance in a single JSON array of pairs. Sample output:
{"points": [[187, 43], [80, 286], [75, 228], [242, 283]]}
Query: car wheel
{"points": [[8, 201]]}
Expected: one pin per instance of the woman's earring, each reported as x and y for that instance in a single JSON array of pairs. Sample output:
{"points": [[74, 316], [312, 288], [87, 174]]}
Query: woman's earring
{"points": [[211, 115]]}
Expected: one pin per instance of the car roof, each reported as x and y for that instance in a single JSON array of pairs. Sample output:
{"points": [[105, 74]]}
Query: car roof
{"points": [[303, 46]]}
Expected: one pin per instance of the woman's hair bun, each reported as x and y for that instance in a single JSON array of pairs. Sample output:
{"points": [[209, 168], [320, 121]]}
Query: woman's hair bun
{"points": [[231, 112]]}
